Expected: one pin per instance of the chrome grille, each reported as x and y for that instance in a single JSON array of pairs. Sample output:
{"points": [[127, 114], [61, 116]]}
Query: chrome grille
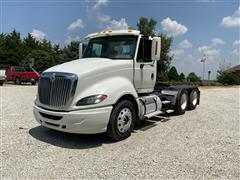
{"points": [[56, 89]]}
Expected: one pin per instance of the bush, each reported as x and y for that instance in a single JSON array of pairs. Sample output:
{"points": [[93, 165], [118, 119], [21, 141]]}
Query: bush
{"points": [[192, 77], [226, 77]]}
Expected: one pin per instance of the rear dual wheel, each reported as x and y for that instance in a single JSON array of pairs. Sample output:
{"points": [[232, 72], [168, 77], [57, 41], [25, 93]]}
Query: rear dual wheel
{"points": [[185, 102], [193, 100], [181, 103]]}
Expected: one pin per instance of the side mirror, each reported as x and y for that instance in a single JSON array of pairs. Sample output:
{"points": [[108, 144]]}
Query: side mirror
{"points": [[80, 50], [156, 48]]}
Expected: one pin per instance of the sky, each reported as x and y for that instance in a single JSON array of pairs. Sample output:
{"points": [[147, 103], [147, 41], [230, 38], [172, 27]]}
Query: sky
{"points": [[201, 29]]}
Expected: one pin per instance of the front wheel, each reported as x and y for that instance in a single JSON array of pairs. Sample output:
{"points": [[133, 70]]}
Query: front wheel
{"points": [[18, 81], [122, 120], [33, 83]]}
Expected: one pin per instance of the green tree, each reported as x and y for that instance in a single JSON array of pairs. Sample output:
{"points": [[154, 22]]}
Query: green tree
{"points": [[70, 52], [181, 77], [146, 27], [3, 52], [173, 74], [163, 64], [192, 77], [30, 44], [226, 77], [42, 60], [13, 49]]}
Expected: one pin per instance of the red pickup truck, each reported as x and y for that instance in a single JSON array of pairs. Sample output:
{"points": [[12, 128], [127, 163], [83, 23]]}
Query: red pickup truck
{"points": [[19, 75]]}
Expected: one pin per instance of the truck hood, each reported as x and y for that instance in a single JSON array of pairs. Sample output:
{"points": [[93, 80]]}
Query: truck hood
{"points": [[86, 66]]}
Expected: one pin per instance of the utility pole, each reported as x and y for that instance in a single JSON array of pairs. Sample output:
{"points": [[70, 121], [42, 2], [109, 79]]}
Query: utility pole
{"points": [[203, 60], [209, 72]]}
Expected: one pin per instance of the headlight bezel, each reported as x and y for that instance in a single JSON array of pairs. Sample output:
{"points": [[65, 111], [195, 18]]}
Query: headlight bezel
{"points": [[91, 100]]}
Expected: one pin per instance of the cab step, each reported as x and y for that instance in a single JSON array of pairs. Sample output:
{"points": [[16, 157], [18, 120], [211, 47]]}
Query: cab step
{"points": [[169, 111], [166, 102], [153, 114]]}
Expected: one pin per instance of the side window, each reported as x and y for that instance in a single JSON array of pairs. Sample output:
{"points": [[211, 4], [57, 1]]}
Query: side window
{"points": [[14, 69], [140, 51], [144, 50]]}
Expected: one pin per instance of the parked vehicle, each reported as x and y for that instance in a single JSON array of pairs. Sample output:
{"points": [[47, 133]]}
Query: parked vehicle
{"points": [[20, 75], [110, 88], [2, 76]]}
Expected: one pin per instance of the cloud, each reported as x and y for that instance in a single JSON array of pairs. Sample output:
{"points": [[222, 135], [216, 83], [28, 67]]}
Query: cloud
{"points": [[75, 25], [177, 53], [100, 3], [105, 21], [217, 41], [236, 50], [209, 51], [38, 35], [212, 50], [232, 21], [69, 39], [121, 24], [236, 43], [173, 28], [185, 44], [180, 53]]}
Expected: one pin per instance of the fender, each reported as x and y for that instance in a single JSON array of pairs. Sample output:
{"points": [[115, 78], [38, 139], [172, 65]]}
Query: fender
{"points": [[113, 87]]}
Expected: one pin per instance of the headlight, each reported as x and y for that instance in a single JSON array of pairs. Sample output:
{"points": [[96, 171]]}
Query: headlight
{"points": [[91, 100]]}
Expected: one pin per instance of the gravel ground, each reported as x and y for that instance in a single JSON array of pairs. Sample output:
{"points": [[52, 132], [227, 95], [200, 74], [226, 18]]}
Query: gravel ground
{"points": [[202, 144]]}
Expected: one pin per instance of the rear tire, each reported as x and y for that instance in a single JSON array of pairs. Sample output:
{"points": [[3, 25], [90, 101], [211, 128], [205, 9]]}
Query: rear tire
{"points": [[181, 103], [193, 100], [18, 81], [122, 121], [1, 83]]}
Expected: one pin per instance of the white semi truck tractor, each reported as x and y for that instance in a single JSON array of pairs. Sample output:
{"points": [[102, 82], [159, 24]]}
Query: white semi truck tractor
{"points": [[110, 88]]}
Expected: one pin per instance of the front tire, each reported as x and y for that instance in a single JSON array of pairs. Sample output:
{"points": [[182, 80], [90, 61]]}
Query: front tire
{"points": [[122, 121], [18, 81], [33, 83]]}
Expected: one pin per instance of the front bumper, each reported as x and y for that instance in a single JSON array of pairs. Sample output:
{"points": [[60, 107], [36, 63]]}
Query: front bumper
{"points": [[89, 121]]}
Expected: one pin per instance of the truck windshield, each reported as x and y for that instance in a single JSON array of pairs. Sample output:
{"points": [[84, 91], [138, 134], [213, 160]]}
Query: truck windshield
{"points": [[113, 47]]}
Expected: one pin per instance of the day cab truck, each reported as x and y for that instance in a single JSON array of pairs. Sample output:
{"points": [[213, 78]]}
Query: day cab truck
{"points": [[19, 75], [110, 88]]}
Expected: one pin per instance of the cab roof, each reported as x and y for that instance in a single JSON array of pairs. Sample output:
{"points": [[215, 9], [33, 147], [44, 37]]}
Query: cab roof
{"points": [[113, 33]]}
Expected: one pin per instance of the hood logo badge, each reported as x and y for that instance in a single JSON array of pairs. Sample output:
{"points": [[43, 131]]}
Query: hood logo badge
{"points": [[53, 76]]}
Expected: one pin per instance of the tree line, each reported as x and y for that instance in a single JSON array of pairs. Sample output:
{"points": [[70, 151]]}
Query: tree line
{"points": [[17, 51], [174, 76]]}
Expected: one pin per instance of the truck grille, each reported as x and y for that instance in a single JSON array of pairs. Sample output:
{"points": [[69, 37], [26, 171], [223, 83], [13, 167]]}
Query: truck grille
{"points": [[56, 90]]}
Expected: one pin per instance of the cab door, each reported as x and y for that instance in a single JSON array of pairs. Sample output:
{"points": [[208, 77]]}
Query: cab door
{"points": [[145, 68]]}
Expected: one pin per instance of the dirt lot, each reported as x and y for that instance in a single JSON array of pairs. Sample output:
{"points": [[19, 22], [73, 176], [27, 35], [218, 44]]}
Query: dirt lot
{"points": [[200, 144]]}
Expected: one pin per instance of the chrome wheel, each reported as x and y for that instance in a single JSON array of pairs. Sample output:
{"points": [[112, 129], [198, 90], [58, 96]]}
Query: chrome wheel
{"points": [[124, 120], [183, 101], [194, 98]]}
